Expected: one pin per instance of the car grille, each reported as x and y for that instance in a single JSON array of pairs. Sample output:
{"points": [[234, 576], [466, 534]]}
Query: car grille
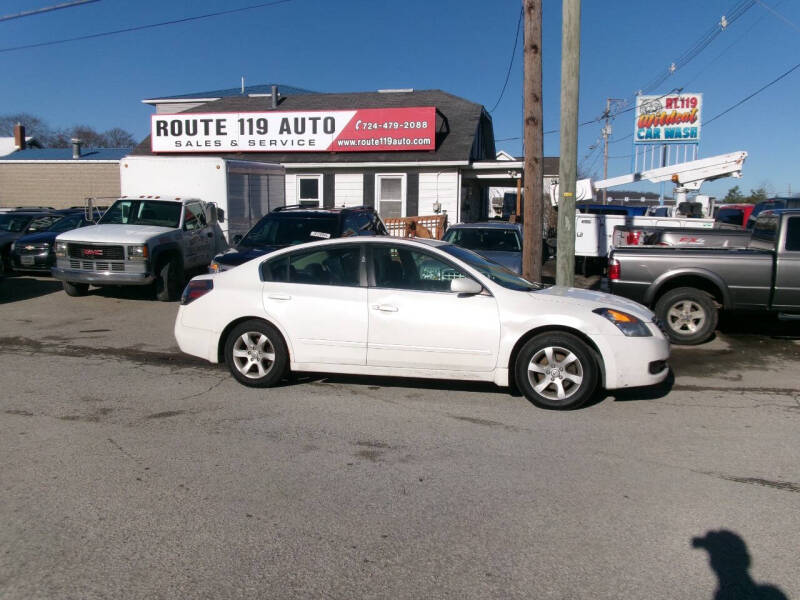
{"points": [[100, 265], [94, 252], [32, 249]]}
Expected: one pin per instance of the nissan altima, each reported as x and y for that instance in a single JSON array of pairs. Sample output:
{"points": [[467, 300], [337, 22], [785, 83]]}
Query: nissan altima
{"points": [[417, 308]]}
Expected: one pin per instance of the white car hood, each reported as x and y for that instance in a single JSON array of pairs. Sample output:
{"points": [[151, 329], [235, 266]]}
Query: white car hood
{"points": [[114, 234], [591, 299]]}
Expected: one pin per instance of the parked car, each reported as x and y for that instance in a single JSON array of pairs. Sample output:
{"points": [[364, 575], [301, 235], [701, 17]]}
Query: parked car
{"points": [[36, 251], [140, 241], [733, 214], [292, 225], [687, 285], [498, 241], [17, 223], [414, 307], [625, 210], [770, 204]]}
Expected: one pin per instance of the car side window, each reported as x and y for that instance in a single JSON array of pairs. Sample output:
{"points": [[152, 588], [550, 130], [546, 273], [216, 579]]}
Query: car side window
{"points": [[323, 266], [193, 217], [401, 268], [793, 234]]}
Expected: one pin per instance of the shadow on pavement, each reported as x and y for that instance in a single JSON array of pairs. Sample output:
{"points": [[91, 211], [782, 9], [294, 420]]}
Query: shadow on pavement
{"points": [[375, 381], [738, 323], [19, 288], [652, 392], [730, 561]]}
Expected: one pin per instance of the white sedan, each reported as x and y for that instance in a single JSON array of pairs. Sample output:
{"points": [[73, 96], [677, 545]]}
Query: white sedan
{"points": [[417, 308]]}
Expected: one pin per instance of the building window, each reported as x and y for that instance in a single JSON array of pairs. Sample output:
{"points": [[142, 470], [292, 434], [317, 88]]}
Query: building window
{"points": [[390, 195], [309, 190]]}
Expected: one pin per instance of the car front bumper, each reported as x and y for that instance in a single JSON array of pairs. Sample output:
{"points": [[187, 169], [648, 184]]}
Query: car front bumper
{"points": [[102, 277], [628, 361]]}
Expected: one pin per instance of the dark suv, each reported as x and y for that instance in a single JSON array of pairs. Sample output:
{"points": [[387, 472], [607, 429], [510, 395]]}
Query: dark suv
{"points": [[291, 225], [16, 223]]}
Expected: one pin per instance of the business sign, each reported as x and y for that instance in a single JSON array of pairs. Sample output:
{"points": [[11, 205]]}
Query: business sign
{"points": [[668, 119], [359, 130]]}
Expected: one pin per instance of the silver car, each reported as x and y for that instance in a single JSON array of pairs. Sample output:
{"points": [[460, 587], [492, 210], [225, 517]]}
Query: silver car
{"points": [[499, 241]]}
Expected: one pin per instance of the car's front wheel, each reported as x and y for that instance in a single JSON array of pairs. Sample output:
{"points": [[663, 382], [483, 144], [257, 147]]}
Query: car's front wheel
{"points": [[256, 354], [556, 371], [75, 289]]}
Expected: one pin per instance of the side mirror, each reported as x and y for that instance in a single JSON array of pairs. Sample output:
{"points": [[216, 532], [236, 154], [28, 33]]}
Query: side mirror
{"points": [[212, 213], [236, 239], [220, 214], [465, 285]]}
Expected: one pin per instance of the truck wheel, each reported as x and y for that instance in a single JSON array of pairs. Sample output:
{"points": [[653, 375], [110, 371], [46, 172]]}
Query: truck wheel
{"points": [[256, 354], [556, 371], [169, 281], [689, 315], [75, 289]]}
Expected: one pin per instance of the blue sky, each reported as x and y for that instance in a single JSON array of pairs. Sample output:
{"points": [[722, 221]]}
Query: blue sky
{"points": [[460, 46]]}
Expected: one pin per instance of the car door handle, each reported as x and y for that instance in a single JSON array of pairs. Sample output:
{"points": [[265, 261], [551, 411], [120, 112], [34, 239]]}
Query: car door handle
{"points": [[385, 307], [279, 297]]}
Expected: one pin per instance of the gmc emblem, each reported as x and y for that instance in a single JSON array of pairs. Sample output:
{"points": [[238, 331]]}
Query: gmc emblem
{"points": [[89, 252]]}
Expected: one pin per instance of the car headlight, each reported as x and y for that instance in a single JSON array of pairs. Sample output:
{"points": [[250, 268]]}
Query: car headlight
{"points": [[13, 245], [627, 324], [137, 252], [61, 249]]}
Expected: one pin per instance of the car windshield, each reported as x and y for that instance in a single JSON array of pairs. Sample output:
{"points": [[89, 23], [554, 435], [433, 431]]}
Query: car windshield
{"points": [[143, 212], [499, 274], [66, 223], [288, 231], [14, 223], [484, 240]]}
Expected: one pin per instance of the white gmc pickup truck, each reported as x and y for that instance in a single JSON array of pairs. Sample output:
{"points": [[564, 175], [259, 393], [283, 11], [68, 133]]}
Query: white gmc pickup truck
{"points": [[140, 241]]}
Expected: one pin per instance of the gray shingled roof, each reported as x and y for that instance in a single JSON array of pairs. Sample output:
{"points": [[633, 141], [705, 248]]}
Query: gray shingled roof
{"points": [[265, 88], [457, 125]]}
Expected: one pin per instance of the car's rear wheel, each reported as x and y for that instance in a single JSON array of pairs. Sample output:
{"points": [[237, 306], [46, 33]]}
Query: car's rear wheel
{"points": [[75, 289], [689, 315], [256, 354], [556, 371]]}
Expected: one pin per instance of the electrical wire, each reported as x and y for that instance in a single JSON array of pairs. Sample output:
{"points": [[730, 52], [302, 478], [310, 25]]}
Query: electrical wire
{"points": [[149, 26], [510, 63], [777, 14], [745, 99], [45, 9]]}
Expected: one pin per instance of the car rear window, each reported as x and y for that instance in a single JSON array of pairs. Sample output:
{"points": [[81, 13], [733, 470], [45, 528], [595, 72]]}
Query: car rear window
{"points": [[288, 231], [730, 216], [766, 229], [793, 234]]}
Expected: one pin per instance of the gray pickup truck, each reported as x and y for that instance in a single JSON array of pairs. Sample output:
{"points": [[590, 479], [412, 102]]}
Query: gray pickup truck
{"points": [[688, 286]]}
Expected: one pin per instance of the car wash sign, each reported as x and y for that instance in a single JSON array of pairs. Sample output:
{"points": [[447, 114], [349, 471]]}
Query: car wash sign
{"points": [[360, 130], [673, 118]]}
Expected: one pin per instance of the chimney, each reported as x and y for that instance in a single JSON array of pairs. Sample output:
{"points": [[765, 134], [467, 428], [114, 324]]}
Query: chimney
{"points": [[275, 96], [19, 136], [76, 148]]}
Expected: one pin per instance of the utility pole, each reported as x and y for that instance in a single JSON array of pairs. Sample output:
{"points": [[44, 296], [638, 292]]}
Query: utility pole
{"points": [[606, 135], [534, 144], [568, 160]]}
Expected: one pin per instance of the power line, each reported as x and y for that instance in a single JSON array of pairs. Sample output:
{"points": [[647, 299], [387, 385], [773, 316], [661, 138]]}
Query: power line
{"points": [[38, 11], [149, 26], [511, 62], [777, 14], [758, 91]]}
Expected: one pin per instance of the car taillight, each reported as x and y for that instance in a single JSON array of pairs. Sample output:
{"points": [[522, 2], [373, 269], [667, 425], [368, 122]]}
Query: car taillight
{"points": [[613, 269], [633, 238], [195, 289]]}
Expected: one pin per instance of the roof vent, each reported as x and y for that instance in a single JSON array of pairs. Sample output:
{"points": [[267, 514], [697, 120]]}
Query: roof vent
{"points": [[76, 148], [396, 91]]}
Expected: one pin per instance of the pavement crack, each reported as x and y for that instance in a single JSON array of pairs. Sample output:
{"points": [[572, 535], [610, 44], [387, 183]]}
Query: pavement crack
{"points": [[121, 449]]}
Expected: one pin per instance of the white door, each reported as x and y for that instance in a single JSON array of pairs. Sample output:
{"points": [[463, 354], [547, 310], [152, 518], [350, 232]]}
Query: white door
{"points": [[319, 298], [416, 322], [198, 236]]}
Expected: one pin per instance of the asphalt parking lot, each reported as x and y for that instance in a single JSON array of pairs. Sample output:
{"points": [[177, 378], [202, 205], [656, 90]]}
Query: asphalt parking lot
{"points": [[132, 471]]}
